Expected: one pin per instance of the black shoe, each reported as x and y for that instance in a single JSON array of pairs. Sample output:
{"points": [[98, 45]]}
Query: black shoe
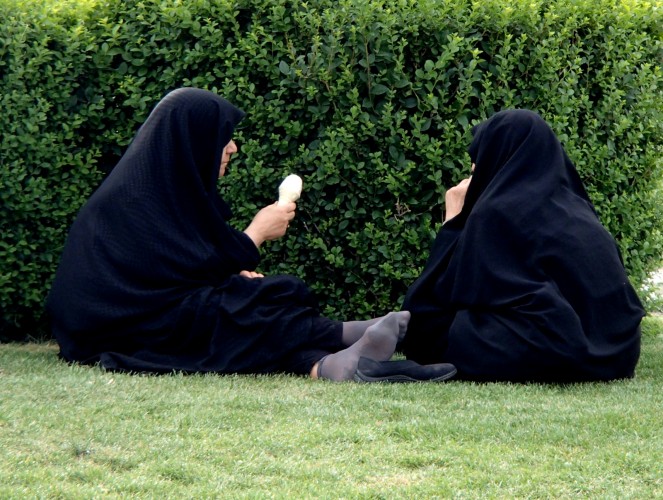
{"points": [[402, 371]]}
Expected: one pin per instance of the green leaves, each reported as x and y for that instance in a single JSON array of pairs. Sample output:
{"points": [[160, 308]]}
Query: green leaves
{"points": [[371, 102]]}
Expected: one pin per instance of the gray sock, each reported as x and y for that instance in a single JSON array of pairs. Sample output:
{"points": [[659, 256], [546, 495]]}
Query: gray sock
{"points": [[378, 343], [354, 330]]}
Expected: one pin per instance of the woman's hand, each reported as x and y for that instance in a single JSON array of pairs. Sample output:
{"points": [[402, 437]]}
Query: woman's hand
{"points": [[454, 199], [270, 223], [251, 274]]}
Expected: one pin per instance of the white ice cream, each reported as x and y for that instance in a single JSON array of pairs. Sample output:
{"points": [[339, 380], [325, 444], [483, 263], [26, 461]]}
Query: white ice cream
{"points": [[290, 189]]}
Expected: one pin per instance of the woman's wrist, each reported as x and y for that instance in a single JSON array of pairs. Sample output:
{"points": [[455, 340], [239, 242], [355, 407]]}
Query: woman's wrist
{"points": [[255, 236]]}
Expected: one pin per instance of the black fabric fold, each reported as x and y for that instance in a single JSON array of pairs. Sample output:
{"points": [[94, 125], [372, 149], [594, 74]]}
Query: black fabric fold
{"points": [[525, 284], [148, 279]]}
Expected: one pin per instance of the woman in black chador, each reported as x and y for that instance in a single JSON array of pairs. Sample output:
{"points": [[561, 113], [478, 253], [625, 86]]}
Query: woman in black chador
{"points": [[153, 279], [523, 283]]}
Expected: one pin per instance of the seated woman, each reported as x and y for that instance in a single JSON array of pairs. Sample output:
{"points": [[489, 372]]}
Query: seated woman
{"points": [[523, 283], [153, 279]]}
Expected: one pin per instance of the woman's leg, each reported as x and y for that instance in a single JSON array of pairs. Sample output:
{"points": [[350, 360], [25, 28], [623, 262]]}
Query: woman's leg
{"points": [[354, 330], [328, 337], [378, 343]]}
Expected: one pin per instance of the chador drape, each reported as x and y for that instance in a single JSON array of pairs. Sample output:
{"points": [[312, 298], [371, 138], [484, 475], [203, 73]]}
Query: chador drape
{"points": [[525, 284], [148, 277]]}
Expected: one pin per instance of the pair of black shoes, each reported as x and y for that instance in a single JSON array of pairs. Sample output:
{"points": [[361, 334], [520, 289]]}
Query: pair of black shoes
{"points": [[402, 371]]}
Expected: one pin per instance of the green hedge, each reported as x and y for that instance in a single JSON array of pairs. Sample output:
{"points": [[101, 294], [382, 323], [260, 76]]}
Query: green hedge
{"points": [[370, 101]]}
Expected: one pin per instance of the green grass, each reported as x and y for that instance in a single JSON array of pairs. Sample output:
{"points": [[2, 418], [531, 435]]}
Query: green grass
{"points": [[78, 432]]}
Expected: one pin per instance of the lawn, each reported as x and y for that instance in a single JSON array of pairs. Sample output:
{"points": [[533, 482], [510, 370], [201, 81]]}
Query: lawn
{"points": [[79, 432]]}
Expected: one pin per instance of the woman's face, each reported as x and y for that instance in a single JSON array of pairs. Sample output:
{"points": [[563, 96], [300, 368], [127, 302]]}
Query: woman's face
{"points": [[228, 151]]}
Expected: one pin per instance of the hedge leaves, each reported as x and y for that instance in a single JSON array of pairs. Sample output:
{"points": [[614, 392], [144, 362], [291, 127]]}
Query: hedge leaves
{"points": [[370, 101]]}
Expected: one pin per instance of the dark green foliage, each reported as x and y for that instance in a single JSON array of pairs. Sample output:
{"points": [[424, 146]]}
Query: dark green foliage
{"points": [[371, 102], [46, 167]]}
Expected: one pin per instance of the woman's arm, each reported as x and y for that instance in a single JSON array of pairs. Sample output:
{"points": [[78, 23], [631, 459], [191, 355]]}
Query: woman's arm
{"points": [[270, 223], [455, 198]]}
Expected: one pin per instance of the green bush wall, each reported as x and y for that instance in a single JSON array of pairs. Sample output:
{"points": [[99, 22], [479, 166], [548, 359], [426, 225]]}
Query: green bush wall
{"points": [[370, 101]]}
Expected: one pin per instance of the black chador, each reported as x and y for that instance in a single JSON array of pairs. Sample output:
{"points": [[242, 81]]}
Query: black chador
{"points": [[525, 284], [148, 279]]}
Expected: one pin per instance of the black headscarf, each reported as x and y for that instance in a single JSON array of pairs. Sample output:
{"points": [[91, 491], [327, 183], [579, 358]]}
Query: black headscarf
{"points": [[525, 283], [153, 232]]}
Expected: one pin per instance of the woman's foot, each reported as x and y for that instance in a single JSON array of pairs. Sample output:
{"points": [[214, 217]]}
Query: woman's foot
{"points": [[354, 330], [378, 344]]}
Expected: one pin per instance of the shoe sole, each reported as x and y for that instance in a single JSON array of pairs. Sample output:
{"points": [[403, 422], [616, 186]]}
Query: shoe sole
{"points": [[360, 377]]}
